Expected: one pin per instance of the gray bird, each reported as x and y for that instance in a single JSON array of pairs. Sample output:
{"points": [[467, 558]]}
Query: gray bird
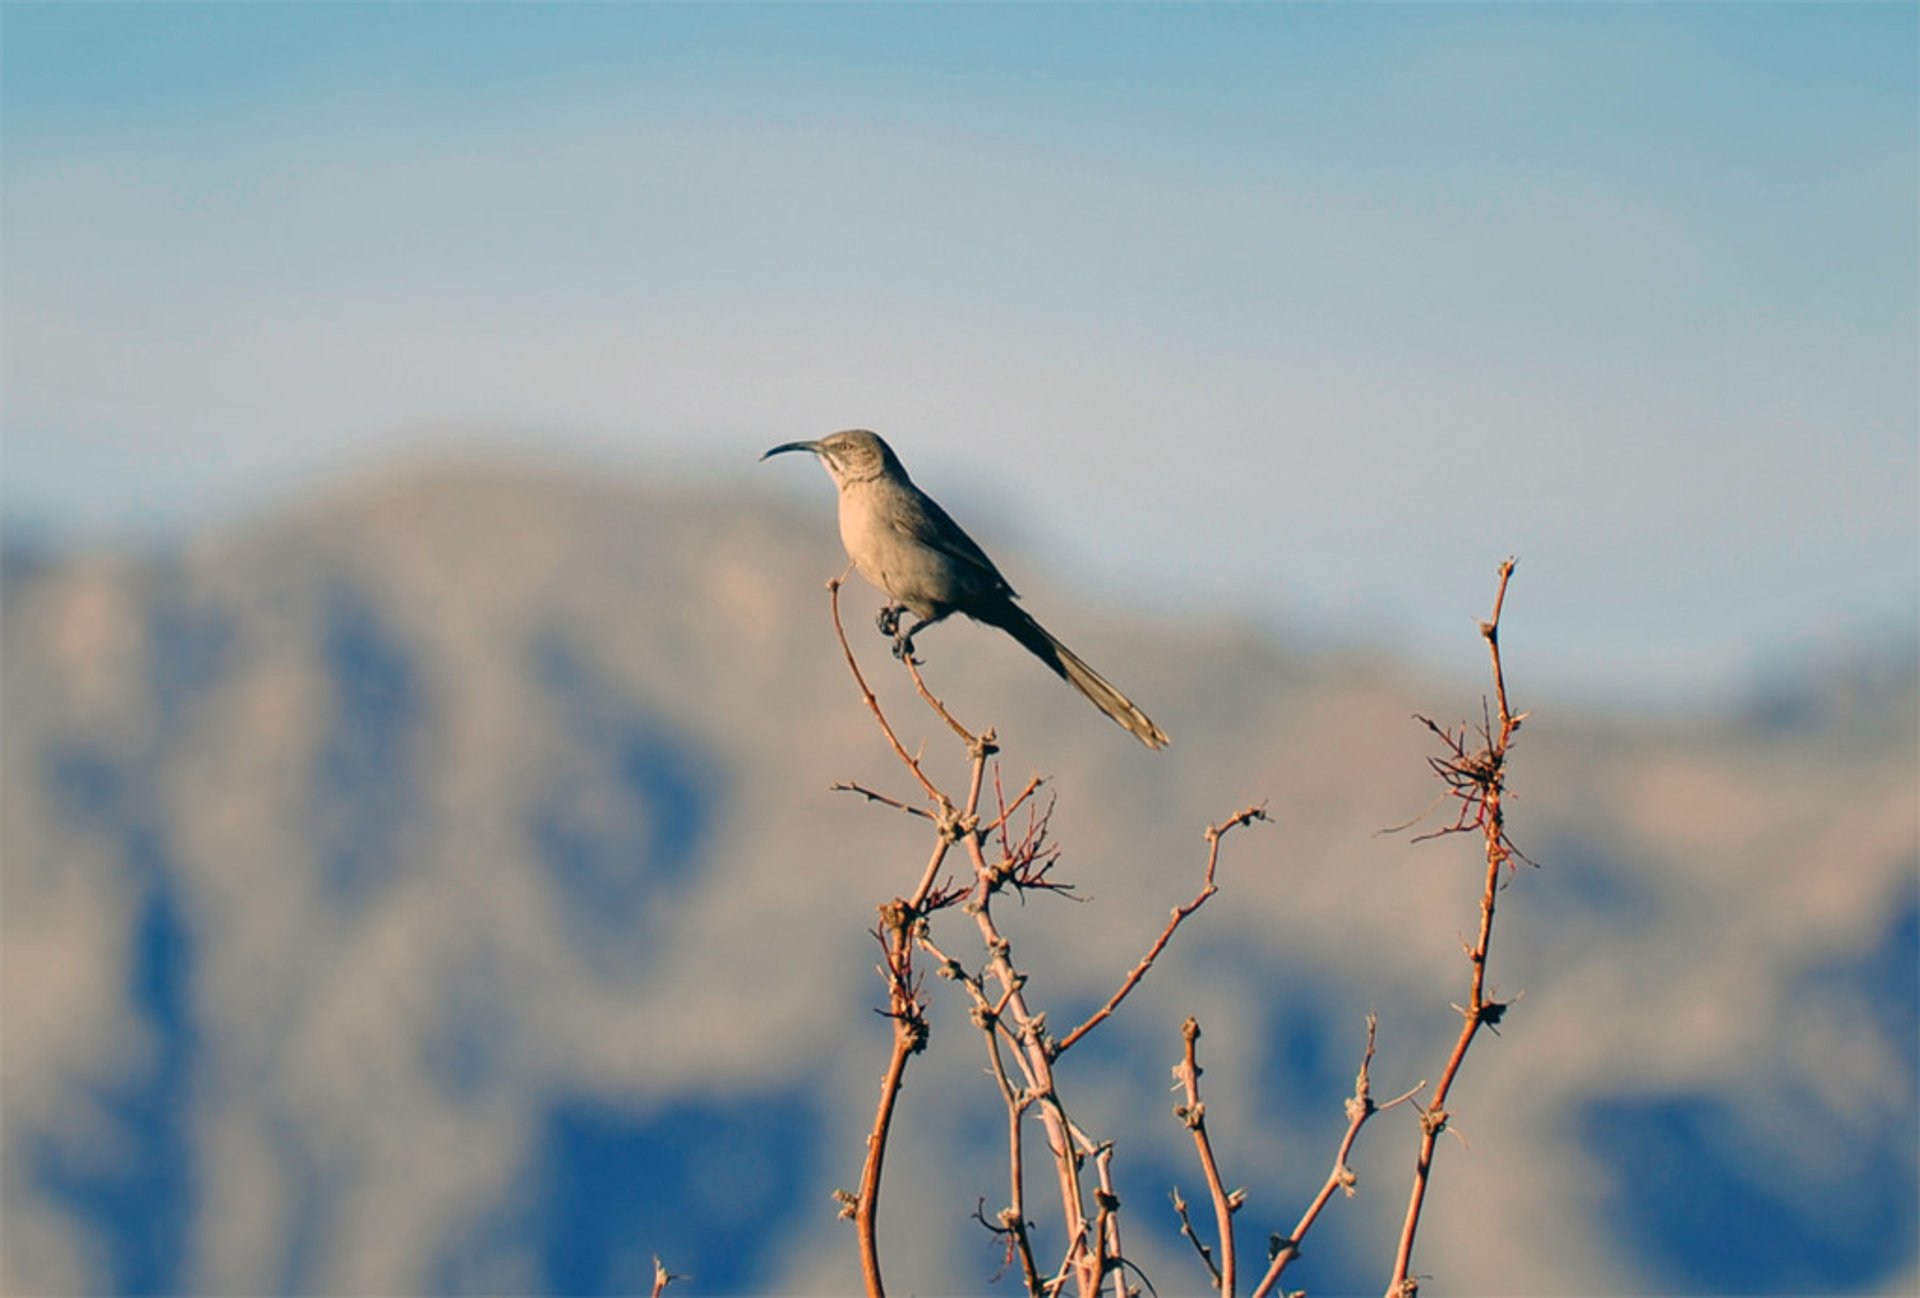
{"points": [[905, 544]]}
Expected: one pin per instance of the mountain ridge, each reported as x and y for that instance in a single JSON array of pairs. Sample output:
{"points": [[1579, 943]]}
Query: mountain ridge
{"points": [[374, 865]]}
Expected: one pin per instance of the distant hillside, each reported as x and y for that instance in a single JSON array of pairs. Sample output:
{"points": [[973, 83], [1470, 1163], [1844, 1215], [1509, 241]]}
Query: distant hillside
{"points": [[437, 888]]}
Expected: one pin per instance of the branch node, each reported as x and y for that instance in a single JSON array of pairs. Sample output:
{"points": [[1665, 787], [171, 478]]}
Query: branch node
{"points": [[663, 1277]]}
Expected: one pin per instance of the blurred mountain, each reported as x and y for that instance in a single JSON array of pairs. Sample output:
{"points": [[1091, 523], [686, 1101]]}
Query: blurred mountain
{"points": [[437, 888]]}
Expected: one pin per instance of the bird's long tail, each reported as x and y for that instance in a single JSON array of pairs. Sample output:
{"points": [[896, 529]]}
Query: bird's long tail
{"points": [[1019, 624]]}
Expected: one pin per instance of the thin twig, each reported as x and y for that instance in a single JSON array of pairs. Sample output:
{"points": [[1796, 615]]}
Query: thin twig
{"points": [[1360, 1107], [1200, 1246], [1107, 1225], [1008, 808], [1213, 836], [873, 705], [847, 786], [1093, 1249], [908, 1013], [1479, 781], [663, 1277], [967, 737], [1194, 1113], [1086, 1259], [866, 1213], [1036, 1060], [903, 920], [1020, 1048], [989, 1018]]}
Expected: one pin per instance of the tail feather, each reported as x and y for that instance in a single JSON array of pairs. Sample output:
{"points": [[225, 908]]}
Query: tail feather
{"points": [[1066, 664]]}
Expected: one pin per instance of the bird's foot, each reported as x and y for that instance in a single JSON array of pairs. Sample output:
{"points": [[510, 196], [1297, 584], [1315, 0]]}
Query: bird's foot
{"points": [[889, 624], [903, 648]]}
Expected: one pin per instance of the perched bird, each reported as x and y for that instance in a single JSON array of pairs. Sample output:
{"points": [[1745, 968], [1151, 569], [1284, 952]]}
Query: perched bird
{"points": [[904, 543]]}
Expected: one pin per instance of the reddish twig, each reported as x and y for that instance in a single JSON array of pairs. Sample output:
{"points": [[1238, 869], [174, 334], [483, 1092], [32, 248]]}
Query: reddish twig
{"points": [[903, 922], [1019, 799], [1213, 836], [967, 737], [663, 1277], [847, 786], [1028, 1034], [1478, 781], [873, 705], [907, 1009], [1106, 1226], [1192, 1236], [1020, 1048], [988, 1016], [1194, 1113], [1360, 1107]]}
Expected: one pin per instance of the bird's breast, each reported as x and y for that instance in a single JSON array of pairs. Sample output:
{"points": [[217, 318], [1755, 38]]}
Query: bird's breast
{"points": [[909, 572]]}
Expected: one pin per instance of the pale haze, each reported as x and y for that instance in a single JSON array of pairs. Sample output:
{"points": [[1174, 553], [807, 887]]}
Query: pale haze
{"points": [[1306, 315], [422, 868]]}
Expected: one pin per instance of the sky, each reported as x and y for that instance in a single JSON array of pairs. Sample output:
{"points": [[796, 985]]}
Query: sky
{"points": [[1306, 315]]}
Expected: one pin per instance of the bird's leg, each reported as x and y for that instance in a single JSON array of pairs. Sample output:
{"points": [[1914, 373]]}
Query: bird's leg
{"points": [[903, 640], [889, 624]]}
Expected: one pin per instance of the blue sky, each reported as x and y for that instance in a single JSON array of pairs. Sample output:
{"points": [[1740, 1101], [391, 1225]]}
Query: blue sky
{"points": [[1303, 313]]}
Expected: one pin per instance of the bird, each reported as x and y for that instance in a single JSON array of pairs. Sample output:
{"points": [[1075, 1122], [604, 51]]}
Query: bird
{"points": [[902, 542]]}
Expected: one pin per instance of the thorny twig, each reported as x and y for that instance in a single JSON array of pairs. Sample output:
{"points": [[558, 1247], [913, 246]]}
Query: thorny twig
{"points": [[1193, 1112], [1478, 781], [902, 920], [1012, 1223], [1027, 1033], [871, 795], [1020, 1048], [663, 1277], [1213, 836], [967, 737], [1360, 1107], [1192, 1236], [999, 823]]}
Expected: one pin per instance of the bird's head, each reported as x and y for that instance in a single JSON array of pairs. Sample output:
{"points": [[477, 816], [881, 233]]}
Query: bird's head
{"points": [[851, 456]]}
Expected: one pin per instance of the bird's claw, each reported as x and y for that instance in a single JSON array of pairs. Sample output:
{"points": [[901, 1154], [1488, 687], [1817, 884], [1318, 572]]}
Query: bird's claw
{"points": [[889, 624]]}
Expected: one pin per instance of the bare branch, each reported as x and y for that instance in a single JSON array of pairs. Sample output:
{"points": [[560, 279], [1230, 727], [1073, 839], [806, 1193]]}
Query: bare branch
{"points": [[1106, 1227], [1200, 1246], [1360, 1107], [1020, 1048], [967, 737], [1213, 836], [1008, 808], [989, 1018], [663, 1277], [873, 705], [903, 923], [872, 796], [1477, 780], [1194, 1113]]}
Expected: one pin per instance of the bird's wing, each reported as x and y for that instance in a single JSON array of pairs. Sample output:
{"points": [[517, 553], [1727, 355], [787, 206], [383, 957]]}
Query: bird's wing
{"points": [[919, 516]]}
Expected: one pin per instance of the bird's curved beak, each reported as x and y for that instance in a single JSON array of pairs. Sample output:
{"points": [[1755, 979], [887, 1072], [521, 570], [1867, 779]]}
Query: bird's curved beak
{"points": [[814, 447]]}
